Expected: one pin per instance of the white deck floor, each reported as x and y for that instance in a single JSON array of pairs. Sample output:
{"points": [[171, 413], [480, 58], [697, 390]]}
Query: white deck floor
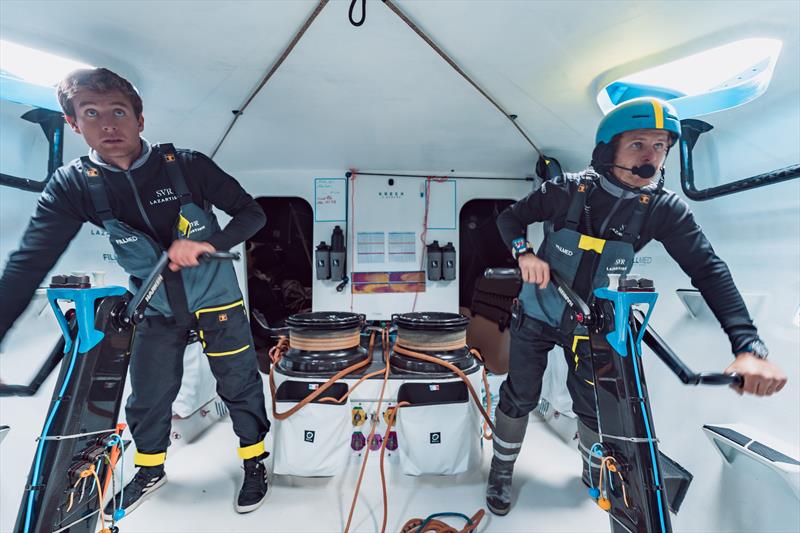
{"points": [[205, 476]]}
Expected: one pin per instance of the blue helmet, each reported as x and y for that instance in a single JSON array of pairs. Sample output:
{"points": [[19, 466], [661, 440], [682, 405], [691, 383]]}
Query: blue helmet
{"points": [[638, 114]]}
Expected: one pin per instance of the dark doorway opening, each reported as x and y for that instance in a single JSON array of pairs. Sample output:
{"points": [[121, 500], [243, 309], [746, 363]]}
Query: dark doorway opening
{"points": [[487, 303], [481, 246], [279, 267]]}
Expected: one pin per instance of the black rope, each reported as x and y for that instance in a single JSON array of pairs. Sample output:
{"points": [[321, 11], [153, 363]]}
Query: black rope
{"points": [[363, 12]]}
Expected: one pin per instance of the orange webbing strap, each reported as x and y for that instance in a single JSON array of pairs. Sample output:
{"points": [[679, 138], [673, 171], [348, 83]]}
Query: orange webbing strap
{"points": [[277, 352], [385, 344], [437, 526], [112, 459], [342, 342], [452, 368], [477, 354]]}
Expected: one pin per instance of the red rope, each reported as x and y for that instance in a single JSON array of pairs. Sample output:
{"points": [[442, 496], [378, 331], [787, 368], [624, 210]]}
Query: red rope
{"points": [[351, 225]]}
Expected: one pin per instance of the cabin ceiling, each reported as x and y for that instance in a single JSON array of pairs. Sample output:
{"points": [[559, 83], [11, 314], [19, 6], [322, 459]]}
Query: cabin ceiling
{"points": [[377, 97]]}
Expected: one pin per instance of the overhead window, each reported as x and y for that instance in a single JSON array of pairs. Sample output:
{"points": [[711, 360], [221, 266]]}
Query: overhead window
{"points": [[716, 79], [29, 76]]}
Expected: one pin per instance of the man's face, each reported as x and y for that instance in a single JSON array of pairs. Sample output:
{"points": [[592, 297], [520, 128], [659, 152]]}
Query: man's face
{"points": [[108, 124], [637, 148]]}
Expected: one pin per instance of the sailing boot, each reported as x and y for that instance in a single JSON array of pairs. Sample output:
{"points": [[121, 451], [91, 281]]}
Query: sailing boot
{"points": [[587, 437], [506, 442], [255, 485]]}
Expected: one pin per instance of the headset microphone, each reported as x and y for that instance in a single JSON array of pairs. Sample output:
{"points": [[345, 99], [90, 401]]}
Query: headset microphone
{"points": [[645, 171]]}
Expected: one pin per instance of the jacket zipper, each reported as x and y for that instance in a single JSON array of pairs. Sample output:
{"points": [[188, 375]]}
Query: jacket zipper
{"points": [[139, 203]]}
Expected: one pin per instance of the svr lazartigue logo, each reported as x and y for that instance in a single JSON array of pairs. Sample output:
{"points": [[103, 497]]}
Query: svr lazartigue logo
{"points": [[619, 265], [564, 250], [127, 240]]}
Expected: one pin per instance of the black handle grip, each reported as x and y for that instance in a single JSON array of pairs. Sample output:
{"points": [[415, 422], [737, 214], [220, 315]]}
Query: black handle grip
{"points": [[220, 256], [717, 378], [579, 308], [675, 363], [502, 273]]}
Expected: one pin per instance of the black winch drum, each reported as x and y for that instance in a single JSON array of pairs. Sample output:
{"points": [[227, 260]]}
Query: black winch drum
{"points": [[323, 342], [433, 334]]}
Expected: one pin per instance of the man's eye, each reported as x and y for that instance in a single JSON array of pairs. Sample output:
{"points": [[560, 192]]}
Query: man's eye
{"points": [[636, 145], [659, 147], [91, 113], [119, 112]]}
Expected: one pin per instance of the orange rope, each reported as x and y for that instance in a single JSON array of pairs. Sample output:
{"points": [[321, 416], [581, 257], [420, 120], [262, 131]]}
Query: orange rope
{"points": [[436, 526], [277, 352], [350, 226], [115, 452], [477, 355], [610, 463], [385, 343], [356, 384], [452, 368]]}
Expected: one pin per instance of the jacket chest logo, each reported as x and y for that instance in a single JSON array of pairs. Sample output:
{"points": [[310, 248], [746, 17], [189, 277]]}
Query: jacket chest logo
{"points": [[222, 317], [565, 251]]}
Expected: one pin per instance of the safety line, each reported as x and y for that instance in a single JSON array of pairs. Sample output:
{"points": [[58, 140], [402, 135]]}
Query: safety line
{"points": [[238, 112], [453, 64]]}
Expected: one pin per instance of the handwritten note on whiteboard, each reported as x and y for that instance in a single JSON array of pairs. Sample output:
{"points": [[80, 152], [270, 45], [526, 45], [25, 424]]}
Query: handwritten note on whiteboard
{"points": [[330, 199]]}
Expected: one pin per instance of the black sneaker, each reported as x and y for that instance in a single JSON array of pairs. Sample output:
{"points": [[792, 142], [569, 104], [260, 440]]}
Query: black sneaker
{"points": [[146, 481], [254, 486]]}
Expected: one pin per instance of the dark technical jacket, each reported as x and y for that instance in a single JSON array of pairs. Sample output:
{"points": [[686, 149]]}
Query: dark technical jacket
{"points": [[668, 221], [142, 197]]}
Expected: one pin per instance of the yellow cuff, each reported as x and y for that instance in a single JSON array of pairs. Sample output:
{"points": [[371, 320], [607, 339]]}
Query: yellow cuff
{"points": [[254, 450], [149, 459]]}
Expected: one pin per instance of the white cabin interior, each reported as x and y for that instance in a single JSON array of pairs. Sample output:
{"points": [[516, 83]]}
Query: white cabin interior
{"points": [[378, 99]]}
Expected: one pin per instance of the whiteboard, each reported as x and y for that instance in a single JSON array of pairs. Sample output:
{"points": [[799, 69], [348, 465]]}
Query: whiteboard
{"points": [[330, 199]]}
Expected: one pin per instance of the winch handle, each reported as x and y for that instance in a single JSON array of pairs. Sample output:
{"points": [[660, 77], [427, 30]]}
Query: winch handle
{"points": [[676, 364], [134, 311], [579, 308]]}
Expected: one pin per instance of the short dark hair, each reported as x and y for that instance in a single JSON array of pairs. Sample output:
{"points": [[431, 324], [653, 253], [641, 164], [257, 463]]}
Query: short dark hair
{"points": [[99, 80]]}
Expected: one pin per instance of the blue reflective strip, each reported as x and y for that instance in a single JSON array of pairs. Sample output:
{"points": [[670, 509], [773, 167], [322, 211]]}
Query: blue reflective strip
{"points": [[660, 512], [647, 426], [42, 440]]}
